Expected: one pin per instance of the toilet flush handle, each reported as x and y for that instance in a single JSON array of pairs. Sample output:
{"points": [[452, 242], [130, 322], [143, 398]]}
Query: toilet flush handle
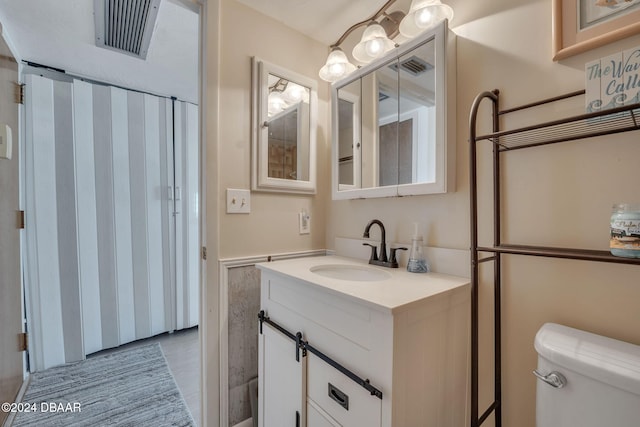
{"points": [[554, 379]]}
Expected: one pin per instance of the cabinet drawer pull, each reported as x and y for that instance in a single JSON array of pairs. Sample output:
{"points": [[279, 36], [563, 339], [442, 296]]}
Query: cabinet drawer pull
{"points": [[341, 398]]}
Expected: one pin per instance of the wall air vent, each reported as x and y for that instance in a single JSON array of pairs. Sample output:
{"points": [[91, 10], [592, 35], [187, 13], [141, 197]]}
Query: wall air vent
{"points": [[414, 66], [125, 26]]}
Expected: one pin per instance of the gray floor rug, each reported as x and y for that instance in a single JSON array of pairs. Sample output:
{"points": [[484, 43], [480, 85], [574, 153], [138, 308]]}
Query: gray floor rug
{"points": [[131, 387]]}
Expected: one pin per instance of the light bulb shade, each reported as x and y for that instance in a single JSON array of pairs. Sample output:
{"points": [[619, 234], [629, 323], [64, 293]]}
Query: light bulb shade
{"points": [[275, 104], [424, 14], [374, 44], [336, 67], [295, 93]]}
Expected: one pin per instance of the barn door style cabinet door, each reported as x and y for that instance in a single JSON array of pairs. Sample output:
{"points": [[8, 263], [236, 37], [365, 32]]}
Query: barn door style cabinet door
{"points": [[282, 385]]}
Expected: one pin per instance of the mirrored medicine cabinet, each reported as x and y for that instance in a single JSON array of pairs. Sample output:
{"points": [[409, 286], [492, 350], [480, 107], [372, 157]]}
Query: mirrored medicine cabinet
{"points": [[284, 108], [393, 122]]}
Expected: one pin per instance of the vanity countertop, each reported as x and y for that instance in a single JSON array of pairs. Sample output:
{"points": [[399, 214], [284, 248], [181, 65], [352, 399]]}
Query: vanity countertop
{"points": [[394, 293]]}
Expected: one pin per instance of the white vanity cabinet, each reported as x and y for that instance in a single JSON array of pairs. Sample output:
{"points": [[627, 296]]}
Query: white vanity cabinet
{"points": [[408, 335]]}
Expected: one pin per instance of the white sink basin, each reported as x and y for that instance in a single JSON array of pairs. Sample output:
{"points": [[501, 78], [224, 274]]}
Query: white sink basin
{"points": [[358, 273]]}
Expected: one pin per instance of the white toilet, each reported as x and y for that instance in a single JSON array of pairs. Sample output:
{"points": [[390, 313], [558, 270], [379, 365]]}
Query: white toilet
{"points": [[586, 380]]}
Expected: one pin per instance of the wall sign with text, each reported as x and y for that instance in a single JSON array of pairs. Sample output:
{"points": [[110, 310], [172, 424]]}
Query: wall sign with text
{"points": [[613, 81]]}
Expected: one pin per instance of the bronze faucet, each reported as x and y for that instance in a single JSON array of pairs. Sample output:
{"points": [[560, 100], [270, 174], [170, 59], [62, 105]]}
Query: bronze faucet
{"points": [[391, 262]]}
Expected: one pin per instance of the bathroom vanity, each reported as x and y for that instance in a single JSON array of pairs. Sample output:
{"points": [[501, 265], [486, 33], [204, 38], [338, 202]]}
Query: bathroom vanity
{"points": [[343, 343]]}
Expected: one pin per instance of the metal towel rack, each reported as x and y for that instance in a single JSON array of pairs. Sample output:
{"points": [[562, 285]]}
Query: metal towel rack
{"points": [[605, 122]]}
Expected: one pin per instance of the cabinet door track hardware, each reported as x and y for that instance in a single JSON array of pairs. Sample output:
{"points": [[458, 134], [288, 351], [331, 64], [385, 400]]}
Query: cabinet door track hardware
{"points": [[300, 345], [362, 383], [295, 337], [305, 346]]}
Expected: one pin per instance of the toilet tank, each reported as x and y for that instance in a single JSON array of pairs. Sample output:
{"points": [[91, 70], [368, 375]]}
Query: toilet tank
{"points": [[602, 379]]}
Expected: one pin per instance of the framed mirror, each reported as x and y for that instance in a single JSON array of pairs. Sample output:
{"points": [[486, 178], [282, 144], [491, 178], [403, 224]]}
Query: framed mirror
{"points": [[397, 117], [284, 107], [348, 136]]}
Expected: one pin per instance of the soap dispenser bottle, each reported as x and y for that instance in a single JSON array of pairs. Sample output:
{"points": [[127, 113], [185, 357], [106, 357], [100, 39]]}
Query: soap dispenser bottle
{"points": [[417, 262]]}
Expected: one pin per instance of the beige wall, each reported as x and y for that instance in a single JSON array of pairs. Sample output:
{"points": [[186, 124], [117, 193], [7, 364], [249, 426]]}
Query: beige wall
{"points": [[272, 225], [558, 195]]}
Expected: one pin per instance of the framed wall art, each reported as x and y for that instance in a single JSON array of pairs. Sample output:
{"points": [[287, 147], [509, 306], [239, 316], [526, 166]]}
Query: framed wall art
{"points": [[582, 25]]}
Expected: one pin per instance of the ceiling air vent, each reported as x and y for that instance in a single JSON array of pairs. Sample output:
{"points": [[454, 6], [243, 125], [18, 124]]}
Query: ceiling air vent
{"points": [[125, 25], [414, 66]]}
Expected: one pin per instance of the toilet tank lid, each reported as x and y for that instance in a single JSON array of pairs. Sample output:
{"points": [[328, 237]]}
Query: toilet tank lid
{"points": [[604, 359]]}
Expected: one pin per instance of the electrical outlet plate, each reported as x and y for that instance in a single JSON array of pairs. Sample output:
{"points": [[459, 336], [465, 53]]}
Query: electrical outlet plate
{"points": [[238, 201], [304, 223]]}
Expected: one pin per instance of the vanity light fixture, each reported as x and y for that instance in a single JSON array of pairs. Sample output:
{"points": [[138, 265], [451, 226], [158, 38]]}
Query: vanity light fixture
{"points": [[275, 104], [376, 40], [424, 14], [337, 66], [283, 94], [295, 93], [374, 44]]}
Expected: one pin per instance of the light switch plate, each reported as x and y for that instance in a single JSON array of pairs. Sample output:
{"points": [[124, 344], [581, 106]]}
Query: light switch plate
{"points": [[238, 201]]}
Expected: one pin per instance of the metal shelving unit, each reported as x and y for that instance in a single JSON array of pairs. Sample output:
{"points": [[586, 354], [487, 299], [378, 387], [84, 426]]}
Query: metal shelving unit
{"points": [[622, 119]]}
